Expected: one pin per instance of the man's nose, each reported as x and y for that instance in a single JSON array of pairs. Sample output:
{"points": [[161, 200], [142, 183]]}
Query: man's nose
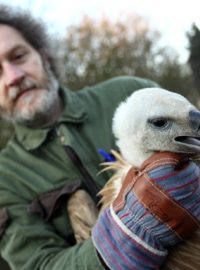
{"points": [[13, 74]]}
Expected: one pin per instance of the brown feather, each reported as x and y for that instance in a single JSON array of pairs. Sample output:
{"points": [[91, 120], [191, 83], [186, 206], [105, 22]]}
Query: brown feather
{"points": [[111, 189], [82, 214], [185, 256]]}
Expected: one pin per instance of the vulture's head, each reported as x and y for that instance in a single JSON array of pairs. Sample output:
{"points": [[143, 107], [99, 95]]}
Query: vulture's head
{"points": [[154, 119]]}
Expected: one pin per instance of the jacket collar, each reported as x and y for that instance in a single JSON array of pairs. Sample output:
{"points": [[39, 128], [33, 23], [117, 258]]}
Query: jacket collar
{"points": [[74, 112]]}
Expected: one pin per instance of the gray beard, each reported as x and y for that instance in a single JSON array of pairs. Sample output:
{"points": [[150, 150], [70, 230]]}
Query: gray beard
{"points": [[41, 115]]}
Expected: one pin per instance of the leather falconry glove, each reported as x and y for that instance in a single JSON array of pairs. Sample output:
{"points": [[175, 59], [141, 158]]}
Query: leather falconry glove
{"points": [[157, 207]]}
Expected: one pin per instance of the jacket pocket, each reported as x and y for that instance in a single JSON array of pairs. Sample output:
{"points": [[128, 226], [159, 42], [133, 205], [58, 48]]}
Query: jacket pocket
{"points": [[46, 204], [4, 220]]}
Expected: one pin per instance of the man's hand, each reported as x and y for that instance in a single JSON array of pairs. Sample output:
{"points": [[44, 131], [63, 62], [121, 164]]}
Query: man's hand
{"points": [[156, 208]]}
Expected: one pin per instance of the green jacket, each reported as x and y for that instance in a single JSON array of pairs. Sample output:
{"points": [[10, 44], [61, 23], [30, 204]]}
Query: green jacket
{"points": [[38, 172]]}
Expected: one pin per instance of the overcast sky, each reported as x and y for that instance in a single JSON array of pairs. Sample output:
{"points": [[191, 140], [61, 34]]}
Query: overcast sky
{"points": [[172, 18]]}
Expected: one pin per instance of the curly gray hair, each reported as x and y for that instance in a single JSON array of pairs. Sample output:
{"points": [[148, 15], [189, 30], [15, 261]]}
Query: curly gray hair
{"points": [[34, 32]]}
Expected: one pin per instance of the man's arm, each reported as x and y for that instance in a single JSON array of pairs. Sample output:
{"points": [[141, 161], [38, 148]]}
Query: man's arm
{"points": [[28, 242]]}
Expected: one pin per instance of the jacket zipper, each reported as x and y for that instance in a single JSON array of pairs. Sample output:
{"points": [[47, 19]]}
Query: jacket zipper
{"points": [[88, 182]]}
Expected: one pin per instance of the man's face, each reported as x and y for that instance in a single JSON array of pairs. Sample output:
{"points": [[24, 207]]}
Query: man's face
{"points": [[28, 88]]}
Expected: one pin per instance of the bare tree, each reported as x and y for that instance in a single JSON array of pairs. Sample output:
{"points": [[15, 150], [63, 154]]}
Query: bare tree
{"points": [[95, 51]]}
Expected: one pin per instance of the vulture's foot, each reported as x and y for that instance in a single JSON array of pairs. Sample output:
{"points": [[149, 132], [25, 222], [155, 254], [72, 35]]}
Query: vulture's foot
{"points": [[82, 214], [186, 255]]}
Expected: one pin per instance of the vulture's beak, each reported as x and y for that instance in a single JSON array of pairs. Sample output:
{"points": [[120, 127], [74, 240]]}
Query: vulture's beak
{"points": [[191, 142]]}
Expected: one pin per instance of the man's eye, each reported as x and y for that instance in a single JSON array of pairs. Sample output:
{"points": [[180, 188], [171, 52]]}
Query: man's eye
{"points": [[19, 56], [159, 122]]}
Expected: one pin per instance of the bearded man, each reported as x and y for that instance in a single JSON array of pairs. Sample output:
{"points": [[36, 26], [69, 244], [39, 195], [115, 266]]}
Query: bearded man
{"points": [[54, 150]]}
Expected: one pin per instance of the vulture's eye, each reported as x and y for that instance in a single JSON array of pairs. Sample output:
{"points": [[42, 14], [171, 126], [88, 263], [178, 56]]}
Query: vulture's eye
{"points": [[159, 122]]}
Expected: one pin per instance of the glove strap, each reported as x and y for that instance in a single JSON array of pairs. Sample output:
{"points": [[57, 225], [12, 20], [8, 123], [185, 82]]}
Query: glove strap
{"points": [[164, 208], [156, 200]]}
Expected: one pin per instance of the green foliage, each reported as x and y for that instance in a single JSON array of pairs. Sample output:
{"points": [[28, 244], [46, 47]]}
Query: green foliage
{"points": [[95, 51]]}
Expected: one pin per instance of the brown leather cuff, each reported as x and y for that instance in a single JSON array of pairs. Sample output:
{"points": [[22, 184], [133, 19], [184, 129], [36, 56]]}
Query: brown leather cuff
{"points": [[156, 199], [164, 207]]}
